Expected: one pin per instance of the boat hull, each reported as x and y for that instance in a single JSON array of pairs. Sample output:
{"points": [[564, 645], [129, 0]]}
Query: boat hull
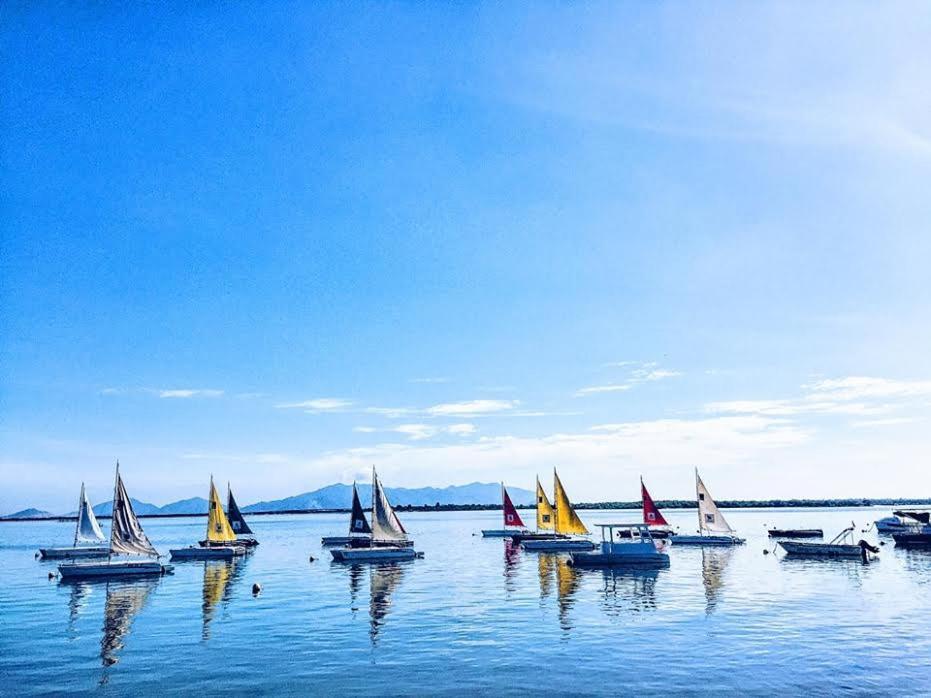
{"points": [[707, 540], [502, 533], [912, 540], [797, 549], [211, 553], [521, 537], [795, 533], [110, 570], [72, 553], [240, 543], [377, 554], [361, 542], [557, 545]]}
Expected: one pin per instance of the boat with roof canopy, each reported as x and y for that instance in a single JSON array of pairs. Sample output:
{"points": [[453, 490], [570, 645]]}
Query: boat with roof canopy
{"points": [[625, 544]]}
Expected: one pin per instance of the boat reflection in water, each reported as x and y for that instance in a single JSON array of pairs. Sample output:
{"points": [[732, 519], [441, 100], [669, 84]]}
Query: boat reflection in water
{"points": [[629, 589], [714, 562], [511, 564], [124, 602], [77, 602], [384, 579], [219, 578], [555, 568]]}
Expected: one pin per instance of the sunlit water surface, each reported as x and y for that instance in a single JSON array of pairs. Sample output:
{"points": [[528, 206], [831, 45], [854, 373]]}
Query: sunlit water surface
{"points": [[473, 615]]}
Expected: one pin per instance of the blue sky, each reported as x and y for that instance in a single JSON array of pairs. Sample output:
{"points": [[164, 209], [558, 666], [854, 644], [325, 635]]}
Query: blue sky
{"points": [[465, 242]]}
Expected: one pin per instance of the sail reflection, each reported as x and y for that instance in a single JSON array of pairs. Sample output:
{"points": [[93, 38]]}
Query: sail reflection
{"points": [[511, 563], [383, 581], [714, 562], [568, 579], [77, 601], [546, 565], [124, 601], [219, 578]]}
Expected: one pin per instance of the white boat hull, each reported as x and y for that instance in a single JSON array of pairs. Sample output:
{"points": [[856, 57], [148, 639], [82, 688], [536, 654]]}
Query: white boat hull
{"points": [[107, 570], [707, 540], [213, 553], [72, 553], [557, 545], [374, 554]]}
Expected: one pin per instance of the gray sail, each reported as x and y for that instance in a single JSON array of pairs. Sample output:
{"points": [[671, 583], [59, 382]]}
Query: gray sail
{"points": [[126, 535], [88, 530], [385, 523]]}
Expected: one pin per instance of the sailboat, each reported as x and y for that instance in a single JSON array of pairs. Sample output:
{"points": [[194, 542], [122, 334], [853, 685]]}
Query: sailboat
{"points": [[388, 541], [713, 528], [567, 526], [512, 521], [126, 538], [87, 530], [221, 540], [244, 534], [359, 529], [546, 520]]}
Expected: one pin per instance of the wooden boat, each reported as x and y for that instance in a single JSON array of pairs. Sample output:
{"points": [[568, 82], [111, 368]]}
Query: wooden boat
{"points": [[87, 530], [126, 538], [220, 543], [513, 524], [713, 528], [388, 540], [624, 544], [567, 526], [835, 548], [795, 533]]}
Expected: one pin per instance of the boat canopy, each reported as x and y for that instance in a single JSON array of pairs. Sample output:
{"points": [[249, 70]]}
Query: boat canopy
{"points": [[545, 519], [511, 517], [357, 521], [126, 534], [87, 529], [710, 518], [385, 523], [567, 521], [218, 526], [920, 516], [238, 523], [651, 514]]}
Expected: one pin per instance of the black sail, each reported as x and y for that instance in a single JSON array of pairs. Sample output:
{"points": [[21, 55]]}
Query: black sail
{"points": [[357, 522], [240, 527]]}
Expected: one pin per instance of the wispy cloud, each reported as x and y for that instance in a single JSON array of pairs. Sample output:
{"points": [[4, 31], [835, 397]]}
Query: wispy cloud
{"points": [[610, 388], [183, 393], [420, 432], [320, 404], [645, 371], [474, 408], [435, 379]]}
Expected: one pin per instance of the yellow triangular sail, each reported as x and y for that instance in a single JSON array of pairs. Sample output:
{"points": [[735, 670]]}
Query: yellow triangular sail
{"points": [[567, 521], [545, 515], [218, 526]]}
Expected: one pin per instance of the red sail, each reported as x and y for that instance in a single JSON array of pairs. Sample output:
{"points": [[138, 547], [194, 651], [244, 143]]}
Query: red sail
{"points": [[511, 517], [651, 515]]}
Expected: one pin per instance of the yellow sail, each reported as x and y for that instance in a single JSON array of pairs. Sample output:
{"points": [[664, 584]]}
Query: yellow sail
{"points": [[545, 518], [567, 521], [218, 526]]}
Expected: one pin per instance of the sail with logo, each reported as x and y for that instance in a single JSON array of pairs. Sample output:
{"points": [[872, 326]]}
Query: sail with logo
{"points": [[567, 526], [546, 520], [220, 543], [360, 533], [513, 524], [713, 528], [652, 516]]}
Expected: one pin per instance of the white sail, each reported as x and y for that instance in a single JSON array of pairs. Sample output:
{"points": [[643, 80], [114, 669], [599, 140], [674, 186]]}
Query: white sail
{"points": [[710, 518], [87, 530], [385, 523], [126, 535]]}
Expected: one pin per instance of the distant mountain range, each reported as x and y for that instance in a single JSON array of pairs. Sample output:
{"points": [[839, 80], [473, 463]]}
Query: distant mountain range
{"points": [[336, 496]]}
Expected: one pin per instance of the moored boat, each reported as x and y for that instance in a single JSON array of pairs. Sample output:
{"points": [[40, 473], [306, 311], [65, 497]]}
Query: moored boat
{"points": [[913, 539], [244, 535], [513, 524], [837, 547], [220, 543], [713, 528], [795, 533], [86, 530], [126, 538], [652, 517], [567, 525], [625, 544]]}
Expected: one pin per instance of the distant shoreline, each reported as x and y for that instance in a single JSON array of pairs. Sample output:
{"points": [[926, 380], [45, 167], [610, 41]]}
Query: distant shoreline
{"points": [[587, 506]]}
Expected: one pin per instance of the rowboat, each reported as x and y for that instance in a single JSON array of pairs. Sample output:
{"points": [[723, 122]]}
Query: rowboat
{"points": [[513, 524], [624, 544], [795, 533], [835, 548], [87, 530], [713, 528], [221, 541], [126, 538], [566, 524]]}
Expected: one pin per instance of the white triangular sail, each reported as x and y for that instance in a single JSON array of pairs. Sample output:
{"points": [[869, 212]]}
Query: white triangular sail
{"points": [[87, 530], [126, 535], [710, 518], [385, 523]]}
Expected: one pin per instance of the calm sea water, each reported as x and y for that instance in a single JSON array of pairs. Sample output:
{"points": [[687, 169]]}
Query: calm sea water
{"points": [[473, 615]]}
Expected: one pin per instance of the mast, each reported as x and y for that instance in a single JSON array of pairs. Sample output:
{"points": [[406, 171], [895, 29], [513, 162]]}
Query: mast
{"points": [[701, 523], [77, 525], [504, 514], [374, 485], [116, 482]]}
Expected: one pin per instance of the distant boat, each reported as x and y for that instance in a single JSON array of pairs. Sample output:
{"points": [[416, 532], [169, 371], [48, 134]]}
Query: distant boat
{"points": [[624, 544], [902, 521], [244, 534], [566, 525], [546, 521], [841, 545], [915, 533], [126, 538], [87, 530], [512, 521], [713, 528], [388, 540], [221, 541], [795, 533], [360, 533]]}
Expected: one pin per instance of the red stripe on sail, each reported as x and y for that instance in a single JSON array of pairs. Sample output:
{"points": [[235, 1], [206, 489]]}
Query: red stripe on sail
{"points": [[511, 517], [651, 514]]}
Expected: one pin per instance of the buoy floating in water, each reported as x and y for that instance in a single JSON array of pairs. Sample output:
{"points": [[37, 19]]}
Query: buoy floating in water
{"points": [[766, 552], [52, 575], [311, 559], [256, 588]]}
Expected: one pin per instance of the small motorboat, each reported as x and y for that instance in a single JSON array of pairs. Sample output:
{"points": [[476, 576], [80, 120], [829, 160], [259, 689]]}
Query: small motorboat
{"points": [[513, 524], [795, 533], [221, 543], [625, 544], [713, 528], [902, 520], [837, 547], [87, 530]]}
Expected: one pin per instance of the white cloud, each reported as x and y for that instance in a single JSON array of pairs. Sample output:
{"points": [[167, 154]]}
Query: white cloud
{"points": [[475, 408], [112, 391], [419, 432], [320, 404], [416, 432], [436, 379], [365, 430], [461, 429], [611, 388], [646, 371], [390, 412], [188, 392], [862, 387]]}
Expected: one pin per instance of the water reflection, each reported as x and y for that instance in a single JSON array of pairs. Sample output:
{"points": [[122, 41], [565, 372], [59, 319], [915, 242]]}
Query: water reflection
{"points": [[852, 568], [546, 564], [77, 601], [511, 563], [714, 562], [629, 590], [124, 602], [568, 579], [384, 579], [219, 578]]}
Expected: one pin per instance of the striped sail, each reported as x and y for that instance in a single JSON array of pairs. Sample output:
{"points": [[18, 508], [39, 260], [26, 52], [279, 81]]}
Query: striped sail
{"points": [[87, 530], [567, 521], [218, 526], [126, 535], [546, 520], [385, 523], [710, 518]]}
